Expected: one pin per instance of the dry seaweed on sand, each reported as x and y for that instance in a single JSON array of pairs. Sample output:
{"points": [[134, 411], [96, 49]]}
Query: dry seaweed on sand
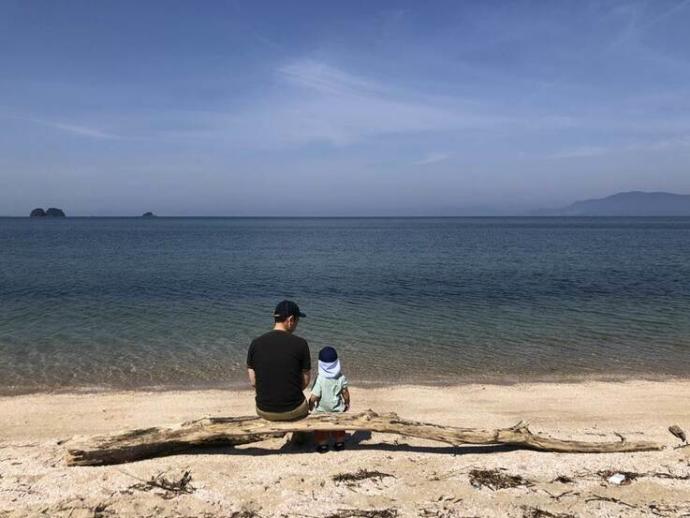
{"points": [[563, 479], [494, 479], [358, 476], [171, 486], [364, 513], [633, 475], [537, 512], [101, 510]]}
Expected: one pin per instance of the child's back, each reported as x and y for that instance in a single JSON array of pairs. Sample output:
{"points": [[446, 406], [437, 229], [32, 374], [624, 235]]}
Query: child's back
{"points": [[329, 394]]}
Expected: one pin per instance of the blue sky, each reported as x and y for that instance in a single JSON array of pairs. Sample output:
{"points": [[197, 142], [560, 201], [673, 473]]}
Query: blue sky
{"points": [[339, 108]]}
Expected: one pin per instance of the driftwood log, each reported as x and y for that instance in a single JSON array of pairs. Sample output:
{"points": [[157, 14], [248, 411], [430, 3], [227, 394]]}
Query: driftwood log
{"points": [[230, 431]]}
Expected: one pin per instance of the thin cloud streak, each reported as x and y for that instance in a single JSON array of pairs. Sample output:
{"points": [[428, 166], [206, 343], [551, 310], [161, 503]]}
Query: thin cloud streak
{"points": [[317, 102], [579, 152], [325, 79], [322, 103], [679, 141], [75, 129], [433, 158]]}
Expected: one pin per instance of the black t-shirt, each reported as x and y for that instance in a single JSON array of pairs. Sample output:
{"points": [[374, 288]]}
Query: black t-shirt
{"points": [[278, 359]]}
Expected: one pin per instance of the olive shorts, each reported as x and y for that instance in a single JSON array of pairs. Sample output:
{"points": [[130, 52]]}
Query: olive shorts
{"points": [[300, 412]]}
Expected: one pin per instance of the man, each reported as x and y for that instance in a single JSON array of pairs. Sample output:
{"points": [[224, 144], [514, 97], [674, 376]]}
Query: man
{"points": [[279, 367]]}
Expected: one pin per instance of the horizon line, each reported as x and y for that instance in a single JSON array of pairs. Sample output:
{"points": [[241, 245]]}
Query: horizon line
{"points": [[493, 216]]}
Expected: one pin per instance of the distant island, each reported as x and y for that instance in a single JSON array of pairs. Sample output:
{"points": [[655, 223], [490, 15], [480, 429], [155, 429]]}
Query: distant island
{"points": [[634, 203], [148, 215], [52, 212]]}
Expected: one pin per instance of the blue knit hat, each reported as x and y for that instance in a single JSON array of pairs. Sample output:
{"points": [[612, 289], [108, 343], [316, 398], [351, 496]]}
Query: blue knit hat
{"points": [[328, 355]]}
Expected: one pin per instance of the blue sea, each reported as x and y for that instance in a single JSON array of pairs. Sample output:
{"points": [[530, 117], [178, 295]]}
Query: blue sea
{"points": [[173, 303]]}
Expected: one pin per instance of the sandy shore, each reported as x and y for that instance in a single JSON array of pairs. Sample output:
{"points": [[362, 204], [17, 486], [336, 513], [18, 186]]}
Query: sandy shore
{"points": [[425, 479]]}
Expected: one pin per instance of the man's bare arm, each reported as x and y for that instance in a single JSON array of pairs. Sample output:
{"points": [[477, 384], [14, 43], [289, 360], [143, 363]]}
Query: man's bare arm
{"points": [[306, 378], [252, 377]]}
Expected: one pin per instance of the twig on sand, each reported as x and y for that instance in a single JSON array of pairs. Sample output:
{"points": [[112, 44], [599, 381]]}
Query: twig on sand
{"points": [[443, 507], [599, 498], [669, 510], [557, 498], [172, 487], [452, 473]]}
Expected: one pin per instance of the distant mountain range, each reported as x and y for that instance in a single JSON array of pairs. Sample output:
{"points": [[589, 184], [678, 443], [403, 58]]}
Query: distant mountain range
{"points": [[635, 203]]}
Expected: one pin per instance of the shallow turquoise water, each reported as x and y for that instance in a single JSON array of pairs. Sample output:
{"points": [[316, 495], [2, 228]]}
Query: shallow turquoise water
{"points": [[175, 302]]}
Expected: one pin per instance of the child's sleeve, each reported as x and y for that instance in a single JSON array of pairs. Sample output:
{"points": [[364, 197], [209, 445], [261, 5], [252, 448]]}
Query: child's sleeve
{"points": [[316, 389], [344, 384]]}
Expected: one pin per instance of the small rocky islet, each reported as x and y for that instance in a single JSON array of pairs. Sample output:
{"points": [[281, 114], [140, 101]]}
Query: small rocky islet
{"points": [[52, 212]]}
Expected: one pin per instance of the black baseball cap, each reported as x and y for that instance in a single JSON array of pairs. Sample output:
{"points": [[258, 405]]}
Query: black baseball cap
{"points": [[287, 308]]}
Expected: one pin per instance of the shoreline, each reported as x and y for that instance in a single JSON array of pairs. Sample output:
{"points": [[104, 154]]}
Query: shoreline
{"points": [[507, 380]]}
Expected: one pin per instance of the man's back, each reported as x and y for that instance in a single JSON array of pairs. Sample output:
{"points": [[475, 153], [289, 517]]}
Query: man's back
{"points": [[279, 359]]}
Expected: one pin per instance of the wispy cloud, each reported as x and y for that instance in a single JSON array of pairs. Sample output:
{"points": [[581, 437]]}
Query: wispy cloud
{"points": [[639, 21], [673, 10], [580, 152], [433, 158], [75, 129], [316, 102], [322, 103], [672, 142], [329, 104], [325, 79], [678, 141]]}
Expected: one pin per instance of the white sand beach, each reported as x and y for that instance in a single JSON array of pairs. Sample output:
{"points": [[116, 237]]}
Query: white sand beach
{"points": [[415, 477]]}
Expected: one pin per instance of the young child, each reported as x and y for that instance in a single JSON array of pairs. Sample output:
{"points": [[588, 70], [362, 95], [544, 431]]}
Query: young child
{"points": [[329, 394]]}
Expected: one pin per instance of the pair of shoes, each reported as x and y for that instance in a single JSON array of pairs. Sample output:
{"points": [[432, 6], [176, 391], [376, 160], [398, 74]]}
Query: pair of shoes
{"points": [[339, 446], [322, 448]]}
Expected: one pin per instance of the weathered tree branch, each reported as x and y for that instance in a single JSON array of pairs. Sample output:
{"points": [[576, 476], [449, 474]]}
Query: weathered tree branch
{"points": [[227, 431]]}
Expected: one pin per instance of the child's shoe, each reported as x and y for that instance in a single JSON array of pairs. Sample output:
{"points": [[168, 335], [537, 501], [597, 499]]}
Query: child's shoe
{"points": [[322, 448]]}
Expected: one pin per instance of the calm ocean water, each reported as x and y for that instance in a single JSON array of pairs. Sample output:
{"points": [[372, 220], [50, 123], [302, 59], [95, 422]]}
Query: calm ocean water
{"points": [[175, 302]]}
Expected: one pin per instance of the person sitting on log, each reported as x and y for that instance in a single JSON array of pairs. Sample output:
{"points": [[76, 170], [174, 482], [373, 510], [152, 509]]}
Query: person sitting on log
{"points": [[329, 394], [279, 367]]}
